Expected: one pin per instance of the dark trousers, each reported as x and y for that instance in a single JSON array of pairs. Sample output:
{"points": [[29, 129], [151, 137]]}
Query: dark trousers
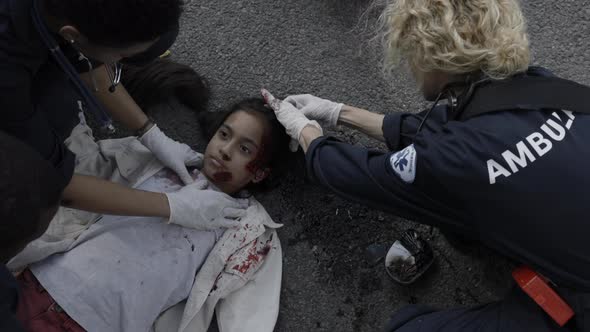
{"points": [[517, 312]]}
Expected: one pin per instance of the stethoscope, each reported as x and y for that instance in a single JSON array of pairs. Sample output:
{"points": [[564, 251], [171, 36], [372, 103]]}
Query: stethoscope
{"points": [[455, 103], [94, 106], [115, 74]]}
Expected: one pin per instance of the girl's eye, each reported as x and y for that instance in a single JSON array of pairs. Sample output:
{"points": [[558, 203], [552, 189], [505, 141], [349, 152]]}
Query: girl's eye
{"points": [[245, 149], [223, 134]]}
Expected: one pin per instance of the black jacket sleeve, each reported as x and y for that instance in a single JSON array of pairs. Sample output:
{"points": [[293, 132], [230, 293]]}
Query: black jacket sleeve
{"points": [[369, 177], [22, 56], [21, 119], [399, 129]]}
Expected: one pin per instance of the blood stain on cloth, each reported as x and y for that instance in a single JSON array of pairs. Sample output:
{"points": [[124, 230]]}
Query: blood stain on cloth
{"points": [[189, 242], [251, 259], [254, 256], [170, 178], [214, 288]]}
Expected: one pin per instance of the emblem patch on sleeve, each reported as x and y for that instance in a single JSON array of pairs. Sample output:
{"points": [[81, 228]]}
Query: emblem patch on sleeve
{"points": [[404, 163]]}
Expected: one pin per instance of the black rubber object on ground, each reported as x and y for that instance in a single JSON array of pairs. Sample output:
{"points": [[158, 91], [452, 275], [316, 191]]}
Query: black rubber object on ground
{"points": [[409, 258]]}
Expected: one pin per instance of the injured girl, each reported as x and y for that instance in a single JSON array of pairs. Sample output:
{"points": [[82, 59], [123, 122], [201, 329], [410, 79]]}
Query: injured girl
{"points": [[142, 274]]}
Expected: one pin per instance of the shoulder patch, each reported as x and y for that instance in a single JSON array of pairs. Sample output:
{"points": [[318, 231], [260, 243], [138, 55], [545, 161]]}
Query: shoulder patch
{"points": [[404, 163]]}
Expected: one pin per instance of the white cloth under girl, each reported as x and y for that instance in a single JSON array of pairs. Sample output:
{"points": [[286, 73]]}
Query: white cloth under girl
{"points": [[240, 280], [123, 272]]}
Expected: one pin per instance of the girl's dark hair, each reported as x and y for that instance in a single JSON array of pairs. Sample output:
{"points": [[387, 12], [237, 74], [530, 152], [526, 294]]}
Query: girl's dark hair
{"points": [[162, 79], [276, 151], [118, 23]]}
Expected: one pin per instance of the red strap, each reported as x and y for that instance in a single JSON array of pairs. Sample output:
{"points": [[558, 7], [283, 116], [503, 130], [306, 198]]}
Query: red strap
{"points": [[537, 288]]}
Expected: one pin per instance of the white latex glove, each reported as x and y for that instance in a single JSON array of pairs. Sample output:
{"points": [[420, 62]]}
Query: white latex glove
{"points": [[171, 153], [195, 207], [290, 117], [324, 111]]}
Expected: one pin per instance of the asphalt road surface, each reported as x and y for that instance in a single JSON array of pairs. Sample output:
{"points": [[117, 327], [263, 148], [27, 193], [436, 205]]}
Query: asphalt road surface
{"points": [[322, 47]]}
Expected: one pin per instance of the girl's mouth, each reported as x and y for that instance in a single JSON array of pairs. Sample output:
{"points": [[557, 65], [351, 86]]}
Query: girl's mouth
{"points": [[217, 163]]}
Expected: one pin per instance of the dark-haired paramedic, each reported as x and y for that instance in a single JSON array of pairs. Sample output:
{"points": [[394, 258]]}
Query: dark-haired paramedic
{"points": [[58, 57]]}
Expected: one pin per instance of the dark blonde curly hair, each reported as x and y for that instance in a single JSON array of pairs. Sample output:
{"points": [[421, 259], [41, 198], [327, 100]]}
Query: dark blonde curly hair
{"points": [[456, 36]]}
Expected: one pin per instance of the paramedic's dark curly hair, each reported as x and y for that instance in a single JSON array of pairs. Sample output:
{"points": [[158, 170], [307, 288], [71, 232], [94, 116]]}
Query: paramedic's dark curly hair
{"points": [[30, 192], [118, 23], [278, 155]]}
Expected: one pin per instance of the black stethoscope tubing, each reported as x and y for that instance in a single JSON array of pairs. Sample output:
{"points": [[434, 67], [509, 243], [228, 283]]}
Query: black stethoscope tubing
{"points": [[93, 104], [454, 104]]}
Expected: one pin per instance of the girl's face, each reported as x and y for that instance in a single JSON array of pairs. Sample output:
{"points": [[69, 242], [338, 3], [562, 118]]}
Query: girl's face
{"points": [[234, 153]]}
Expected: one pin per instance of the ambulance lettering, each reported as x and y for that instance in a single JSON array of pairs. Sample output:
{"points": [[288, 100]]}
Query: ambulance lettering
{"points": [[535, 146]]}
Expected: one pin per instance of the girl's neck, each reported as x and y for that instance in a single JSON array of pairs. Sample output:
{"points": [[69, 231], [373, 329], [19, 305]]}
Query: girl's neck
{"points": [[219, 184]]}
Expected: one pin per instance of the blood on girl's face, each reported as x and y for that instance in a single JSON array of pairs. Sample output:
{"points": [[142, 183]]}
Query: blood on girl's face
{"points": [[234, 150], [222, 176]]}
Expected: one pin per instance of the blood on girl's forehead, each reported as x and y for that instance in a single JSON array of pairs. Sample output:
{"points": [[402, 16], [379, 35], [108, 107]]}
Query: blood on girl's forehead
{"points": [[262, 157]]}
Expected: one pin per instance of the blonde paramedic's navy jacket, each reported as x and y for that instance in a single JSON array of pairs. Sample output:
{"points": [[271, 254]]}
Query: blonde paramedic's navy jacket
{"points": [[518, 181]]}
